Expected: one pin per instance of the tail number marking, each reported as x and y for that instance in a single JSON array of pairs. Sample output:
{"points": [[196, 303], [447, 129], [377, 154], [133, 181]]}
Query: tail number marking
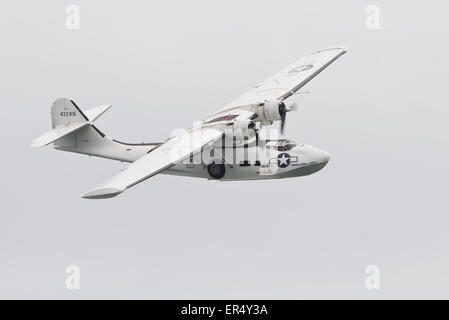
{"points": [[68, 114]]}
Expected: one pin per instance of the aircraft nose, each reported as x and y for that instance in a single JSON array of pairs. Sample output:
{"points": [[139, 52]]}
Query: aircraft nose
{"points": [[316, 155], [323, 156]]}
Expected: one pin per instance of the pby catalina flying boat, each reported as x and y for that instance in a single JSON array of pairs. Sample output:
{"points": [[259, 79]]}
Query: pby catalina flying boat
{"points": [[224, 146]]}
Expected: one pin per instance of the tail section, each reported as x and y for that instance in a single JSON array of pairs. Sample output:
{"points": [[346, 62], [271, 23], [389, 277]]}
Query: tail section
{"points": [[67, 118], [73, 131]]}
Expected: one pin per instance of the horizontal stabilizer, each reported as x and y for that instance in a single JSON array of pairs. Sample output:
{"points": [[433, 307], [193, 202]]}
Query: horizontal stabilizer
{"points": [[94, 113], [57, 133]]}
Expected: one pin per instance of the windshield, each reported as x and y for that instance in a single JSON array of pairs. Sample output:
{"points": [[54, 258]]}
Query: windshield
{"points": [[281, 145], [289, 146]]}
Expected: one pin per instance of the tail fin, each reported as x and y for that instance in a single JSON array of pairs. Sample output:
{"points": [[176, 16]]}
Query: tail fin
{"points": [[65, 112], [67, 118]]}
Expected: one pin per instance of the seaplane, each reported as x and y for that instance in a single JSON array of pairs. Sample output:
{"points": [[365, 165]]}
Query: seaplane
{"points": [[225, 146]]}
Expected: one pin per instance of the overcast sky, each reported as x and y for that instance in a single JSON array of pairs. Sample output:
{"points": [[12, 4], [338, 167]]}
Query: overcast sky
{"points": [[381, 111]]}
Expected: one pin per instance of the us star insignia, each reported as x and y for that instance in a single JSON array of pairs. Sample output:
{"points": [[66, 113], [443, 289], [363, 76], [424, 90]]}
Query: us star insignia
{"points": [[283, 160]]}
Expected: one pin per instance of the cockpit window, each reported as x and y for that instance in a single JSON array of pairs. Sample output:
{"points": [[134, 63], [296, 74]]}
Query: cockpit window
{"points": [[289, 146], [281, 145]]}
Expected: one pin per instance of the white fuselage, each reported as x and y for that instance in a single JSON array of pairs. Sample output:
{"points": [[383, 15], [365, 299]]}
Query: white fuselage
{"points": [[265, 160]]}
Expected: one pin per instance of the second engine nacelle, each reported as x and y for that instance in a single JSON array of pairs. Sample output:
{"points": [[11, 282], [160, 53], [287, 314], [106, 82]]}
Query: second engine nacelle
{"points": [[243, 125], [241, 129]]}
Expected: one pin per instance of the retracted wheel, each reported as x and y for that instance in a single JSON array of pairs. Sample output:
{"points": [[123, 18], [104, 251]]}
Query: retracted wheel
{"points": [[216, 170]]}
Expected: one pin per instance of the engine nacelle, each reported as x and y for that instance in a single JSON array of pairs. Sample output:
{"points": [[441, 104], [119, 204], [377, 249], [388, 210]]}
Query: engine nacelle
{"points": [[243, 125], [271, 111], [241, 129]]}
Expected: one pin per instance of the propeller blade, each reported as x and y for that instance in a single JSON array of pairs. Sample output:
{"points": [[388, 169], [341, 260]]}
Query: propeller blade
{"points": [[283, 117]]}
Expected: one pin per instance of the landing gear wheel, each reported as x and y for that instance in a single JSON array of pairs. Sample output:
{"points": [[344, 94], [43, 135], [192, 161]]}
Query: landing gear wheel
{"points": [[216, 170]]}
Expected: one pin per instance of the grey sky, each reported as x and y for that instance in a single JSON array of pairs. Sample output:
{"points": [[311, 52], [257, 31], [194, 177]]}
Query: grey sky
{"points": [[381, 111]]}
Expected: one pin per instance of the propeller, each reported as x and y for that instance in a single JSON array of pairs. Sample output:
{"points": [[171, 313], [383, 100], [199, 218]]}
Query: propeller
{"points": [[283, 109]]}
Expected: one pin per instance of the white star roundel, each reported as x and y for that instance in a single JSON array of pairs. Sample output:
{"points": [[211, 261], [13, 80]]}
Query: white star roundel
{"points": [[283, 160]]}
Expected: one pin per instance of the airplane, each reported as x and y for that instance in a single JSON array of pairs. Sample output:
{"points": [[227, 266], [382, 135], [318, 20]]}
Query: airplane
{"points": [[224, 146]]}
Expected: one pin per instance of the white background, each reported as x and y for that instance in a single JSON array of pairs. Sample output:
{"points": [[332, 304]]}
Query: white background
{"points": [[381, 111]]}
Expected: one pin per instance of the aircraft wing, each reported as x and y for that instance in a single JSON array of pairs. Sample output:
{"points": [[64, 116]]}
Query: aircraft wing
{"points": [[288, 81], [174, 150]]}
